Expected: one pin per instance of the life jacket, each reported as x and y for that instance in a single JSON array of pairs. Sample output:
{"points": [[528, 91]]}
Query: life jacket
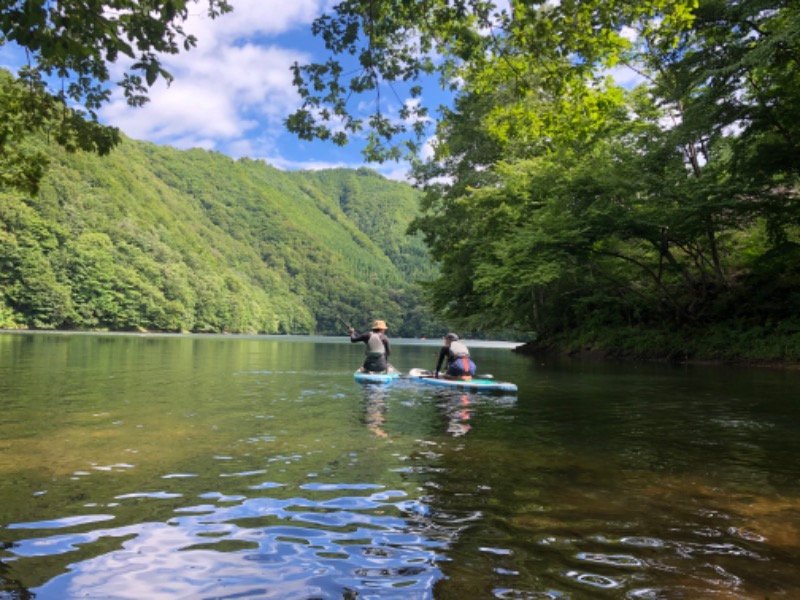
{"points": [[458, 350], [375, 347]]}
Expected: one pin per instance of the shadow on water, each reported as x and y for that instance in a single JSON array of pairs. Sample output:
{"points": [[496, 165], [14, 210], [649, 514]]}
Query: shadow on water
{"points": [[178, 467]]}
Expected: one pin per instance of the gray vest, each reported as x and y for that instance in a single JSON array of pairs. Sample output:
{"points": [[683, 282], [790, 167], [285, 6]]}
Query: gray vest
{"points": [[375, 347], [458, 350]]}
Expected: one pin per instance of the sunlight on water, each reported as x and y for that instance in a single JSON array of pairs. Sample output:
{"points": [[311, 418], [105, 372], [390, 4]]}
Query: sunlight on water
{"points": [[300, 545], [249, 467]]}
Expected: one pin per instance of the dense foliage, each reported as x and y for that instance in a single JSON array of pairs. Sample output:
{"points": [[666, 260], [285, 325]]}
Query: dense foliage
{"points": [[562, 203], [158, 239], [69, 46]]}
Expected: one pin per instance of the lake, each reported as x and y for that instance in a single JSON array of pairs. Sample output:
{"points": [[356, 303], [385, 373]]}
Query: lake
{"points": [[159, 466]]}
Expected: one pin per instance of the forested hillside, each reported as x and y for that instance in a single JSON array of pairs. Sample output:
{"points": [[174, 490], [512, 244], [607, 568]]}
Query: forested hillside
{"points": [[159, 239]]}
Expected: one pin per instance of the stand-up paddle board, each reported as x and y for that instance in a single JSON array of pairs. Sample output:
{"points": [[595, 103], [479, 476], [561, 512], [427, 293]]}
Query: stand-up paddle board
{"points": [[368, 377], [472, 385]]}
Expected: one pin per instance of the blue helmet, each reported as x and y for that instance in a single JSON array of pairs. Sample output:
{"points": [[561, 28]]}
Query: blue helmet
{"points": [[452, 337]]}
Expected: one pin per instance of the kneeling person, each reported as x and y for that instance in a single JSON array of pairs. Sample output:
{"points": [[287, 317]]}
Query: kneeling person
{"points": [[378, 348], [459, 365]]}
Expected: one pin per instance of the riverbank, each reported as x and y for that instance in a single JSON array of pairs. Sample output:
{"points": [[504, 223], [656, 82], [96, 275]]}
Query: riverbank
{"points": [[777, 346]]}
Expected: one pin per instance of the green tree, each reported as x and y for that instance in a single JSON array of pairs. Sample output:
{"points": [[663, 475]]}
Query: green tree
{"points": [[548, 55], [557, 200], [72, 44], [155, 238], [29, 283]]}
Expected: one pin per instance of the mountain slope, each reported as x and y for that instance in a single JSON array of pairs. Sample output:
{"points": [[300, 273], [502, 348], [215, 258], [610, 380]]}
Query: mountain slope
{"points": [[155, 238]]}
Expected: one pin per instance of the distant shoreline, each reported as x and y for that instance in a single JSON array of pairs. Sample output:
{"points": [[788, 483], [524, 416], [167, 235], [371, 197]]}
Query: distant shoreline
{"points": [[434, 342], [676, 357]]}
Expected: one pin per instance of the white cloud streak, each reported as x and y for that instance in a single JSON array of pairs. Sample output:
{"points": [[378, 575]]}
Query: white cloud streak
{"points": [[230, 93]]}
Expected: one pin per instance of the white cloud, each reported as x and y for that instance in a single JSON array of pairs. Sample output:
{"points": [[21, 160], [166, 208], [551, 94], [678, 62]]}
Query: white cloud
{"points": [[394, 171], [233, 91], [312, 165], [250, 19], [428, 150], [625, 76], [629, 34], [230, 93]]}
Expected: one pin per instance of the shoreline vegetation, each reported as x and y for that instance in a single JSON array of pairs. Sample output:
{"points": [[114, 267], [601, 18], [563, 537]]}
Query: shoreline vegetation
{"points": [[654, 221], [744, 348], [775, 346]]}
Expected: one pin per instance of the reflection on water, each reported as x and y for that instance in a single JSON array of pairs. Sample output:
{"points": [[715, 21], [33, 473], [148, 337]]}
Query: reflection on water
{"points": [[318, 544], [226, 467], [375, 406]]}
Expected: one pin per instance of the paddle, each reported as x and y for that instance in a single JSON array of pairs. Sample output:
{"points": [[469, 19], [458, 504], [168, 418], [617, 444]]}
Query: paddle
{"points": [[423, 374], [417, 374]]}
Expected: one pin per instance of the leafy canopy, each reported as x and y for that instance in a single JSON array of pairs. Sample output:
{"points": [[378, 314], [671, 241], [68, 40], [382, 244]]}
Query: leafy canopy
{"points": [[69, 46], [540, 51], [557, 200]]}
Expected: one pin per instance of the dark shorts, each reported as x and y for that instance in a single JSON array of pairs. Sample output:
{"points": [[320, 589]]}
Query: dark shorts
{"points": [[376, 364], [460, 367]]}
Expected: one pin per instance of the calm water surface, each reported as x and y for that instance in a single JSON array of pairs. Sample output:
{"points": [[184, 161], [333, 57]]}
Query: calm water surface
{"points": [[255, 467]]}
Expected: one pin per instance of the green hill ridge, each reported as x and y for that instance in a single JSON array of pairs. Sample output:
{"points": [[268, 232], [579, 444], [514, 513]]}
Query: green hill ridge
{"points": [[153, 238]]}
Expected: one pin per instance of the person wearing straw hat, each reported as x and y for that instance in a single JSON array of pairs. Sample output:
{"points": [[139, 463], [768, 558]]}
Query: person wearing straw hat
{"points": [[378, 348]]}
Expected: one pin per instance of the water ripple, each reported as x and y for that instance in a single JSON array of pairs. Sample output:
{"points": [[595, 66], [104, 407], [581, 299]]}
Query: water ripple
{"points": [[594, 580], [722, 549], [643, 542], [304, 548], [62, 523], [266, 485], [156, 495], [340, 486], [617, 560], [504, 593], [244, 473]]}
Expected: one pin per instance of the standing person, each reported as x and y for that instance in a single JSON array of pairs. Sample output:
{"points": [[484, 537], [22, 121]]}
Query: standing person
{"points": [[459, 365], [378, 348]]}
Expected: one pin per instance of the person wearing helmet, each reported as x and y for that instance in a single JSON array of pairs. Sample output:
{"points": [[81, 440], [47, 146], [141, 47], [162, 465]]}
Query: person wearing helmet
{"points": [[378, 348], [459, 365]]}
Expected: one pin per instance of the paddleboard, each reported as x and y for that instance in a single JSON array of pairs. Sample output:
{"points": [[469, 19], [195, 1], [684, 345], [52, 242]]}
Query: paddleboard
{"points": [[367, 377], [473, 385]]}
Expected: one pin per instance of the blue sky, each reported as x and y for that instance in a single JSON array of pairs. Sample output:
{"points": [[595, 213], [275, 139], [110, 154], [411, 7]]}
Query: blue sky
{"points": [[232, 92]]}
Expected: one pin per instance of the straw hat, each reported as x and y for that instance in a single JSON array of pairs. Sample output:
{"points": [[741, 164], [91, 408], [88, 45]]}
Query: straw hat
{"points": [[379, 325]]}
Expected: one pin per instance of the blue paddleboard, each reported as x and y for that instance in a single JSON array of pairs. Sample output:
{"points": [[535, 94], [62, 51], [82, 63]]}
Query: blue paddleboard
{"points": [[473, 385], [362, 377]]}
